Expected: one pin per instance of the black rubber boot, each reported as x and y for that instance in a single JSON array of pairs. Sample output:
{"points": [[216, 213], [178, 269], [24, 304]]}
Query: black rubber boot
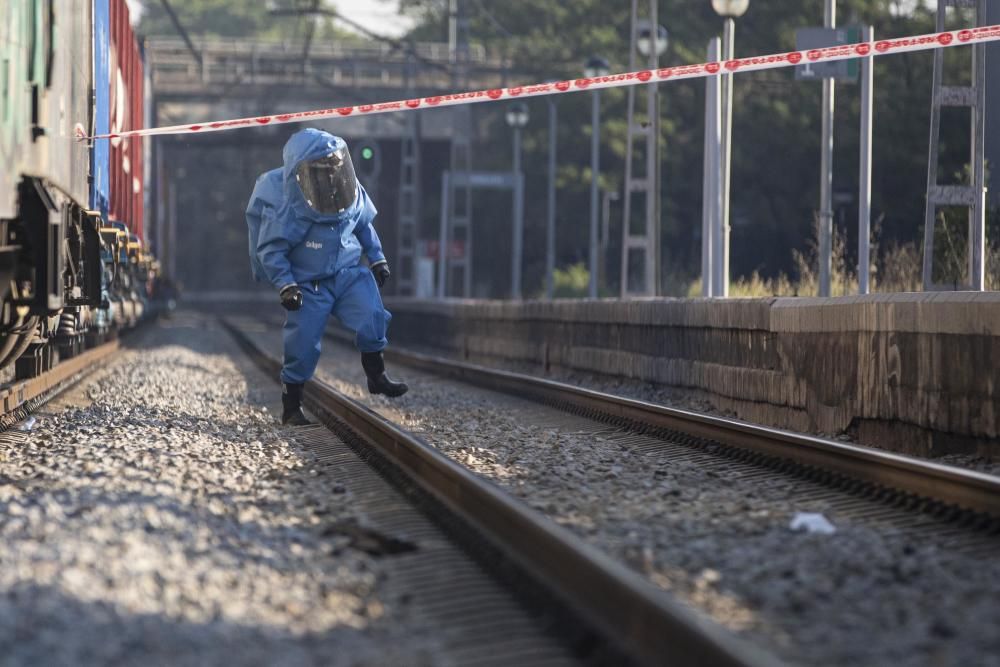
{"points": [[291, 401], [378, 381]]}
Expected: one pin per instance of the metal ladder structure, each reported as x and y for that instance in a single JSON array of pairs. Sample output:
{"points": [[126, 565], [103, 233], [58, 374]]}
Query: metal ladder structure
{"points": [[458, 269], [973, 194], [459, 264], [640, 268], [409, 195]]}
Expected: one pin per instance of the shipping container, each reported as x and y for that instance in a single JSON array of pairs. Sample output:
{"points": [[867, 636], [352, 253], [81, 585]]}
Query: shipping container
{"points": [[126, 113], [45, 74], [68, 105], [16, 28], [100, 187]]}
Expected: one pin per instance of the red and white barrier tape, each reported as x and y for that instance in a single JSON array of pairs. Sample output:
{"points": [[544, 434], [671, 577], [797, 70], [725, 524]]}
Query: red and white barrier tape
{"points": [[844, 52]]}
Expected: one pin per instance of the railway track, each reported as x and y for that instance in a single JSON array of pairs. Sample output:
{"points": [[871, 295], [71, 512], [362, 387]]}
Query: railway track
{"points": [[616, 604], [701, 507], [959, 496], [19, 398]]}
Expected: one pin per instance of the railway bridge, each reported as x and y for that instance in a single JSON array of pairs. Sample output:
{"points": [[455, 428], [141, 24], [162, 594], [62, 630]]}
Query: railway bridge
{"points": [[213, 79]]}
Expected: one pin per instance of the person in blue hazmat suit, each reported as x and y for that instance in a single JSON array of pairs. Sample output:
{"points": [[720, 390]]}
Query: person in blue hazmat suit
{"points": [[310, 248], [264, 201]]}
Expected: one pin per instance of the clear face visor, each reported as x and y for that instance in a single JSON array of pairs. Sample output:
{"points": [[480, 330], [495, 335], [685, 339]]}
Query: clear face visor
{"points": [[329, 183]]}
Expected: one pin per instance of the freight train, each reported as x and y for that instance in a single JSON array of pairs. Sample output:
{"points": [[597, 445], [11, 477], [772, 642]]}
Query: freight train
{"points": [[73, 265]]}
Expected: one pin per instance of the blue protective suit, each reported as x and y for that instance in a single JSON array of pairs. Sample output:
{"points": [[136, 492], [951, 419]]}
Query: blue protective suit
{"points": [[322, 255], [265, 200]]}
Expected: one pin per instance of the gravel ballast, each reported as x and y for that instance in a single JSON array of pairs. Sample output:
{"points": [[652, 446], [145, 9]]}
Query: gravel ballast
{"points": [[719, 539], [157, 515], [684, 399]]}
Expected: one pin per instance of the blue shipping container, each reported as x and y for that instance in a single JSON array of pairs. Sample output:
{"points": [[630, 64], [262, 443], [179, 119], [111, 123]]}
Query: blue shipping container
{"points": [[100, 192]]}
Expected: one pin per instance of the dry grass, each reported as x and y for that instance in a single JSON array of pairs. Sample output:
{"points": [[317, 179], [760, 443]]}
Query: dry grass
{"points": [[896, 267], [843, 278]]}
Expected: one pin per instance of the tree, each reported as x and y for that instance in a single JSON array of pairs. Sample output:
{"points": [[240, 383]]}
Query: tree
{"points": [[775, 187], [247, 20]]}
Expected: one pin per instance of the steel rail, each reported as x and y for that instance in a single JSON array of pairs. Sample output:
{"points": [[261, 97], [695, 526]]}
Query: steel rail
{"points": [[22, 393], [643, 621], [961, 488]]}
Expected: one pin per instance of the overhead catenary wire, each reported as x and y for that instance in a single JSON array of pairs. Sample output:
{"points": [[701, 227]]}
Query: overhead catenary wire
{"points": [[314, 8], [405, 45], [179, 27]]}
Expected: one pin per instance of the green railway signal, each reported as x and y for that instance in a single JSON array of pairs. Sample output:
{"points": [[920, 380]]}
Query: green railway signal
{"points": [[369, 161]]}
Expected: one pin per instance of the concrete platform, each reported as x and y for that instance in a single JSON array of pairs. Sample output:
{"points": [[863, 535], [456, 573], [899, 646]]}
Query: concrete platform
{"points": [[915, 373]]}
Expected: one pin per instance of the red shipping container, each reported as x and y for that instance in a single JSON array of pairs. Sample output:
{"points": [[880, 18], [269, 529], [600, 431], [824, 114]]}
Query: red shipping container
{"points": [[126, 109]]}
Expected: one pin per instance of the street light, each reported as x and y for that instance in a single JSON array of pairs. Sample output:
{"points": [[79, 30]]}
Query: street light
{"points": [[730, 10], [595, 67], [644, 38], [517, 117]]}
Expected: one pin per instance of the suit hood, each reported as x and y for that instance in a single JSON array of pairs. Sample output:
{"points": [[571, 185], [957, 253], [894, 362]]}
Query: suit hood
{"points": [[312, 144], [267, 191]]}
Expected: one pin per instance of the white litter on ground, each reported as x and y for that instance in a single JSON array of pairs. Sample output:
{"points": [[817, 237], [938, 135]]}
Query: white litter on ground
{"points": [[812, 522]]}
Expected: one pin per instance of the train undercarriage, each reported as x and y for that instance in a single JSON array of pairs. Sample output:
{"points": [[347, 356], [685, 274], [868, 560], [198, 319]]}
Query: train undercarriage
{"points": [[70, 280]]}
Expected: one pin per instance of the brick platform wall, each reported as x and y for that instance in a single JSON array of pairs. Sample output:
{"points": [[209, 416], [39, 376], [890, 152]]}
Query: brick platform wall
{"points": [[916, 373]]}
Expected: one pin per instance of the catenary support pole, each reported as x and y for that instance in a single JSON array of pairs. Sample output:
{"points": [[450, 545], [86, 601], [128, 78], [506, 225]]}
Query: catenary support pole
{"points": [[550, 228], [442, 286], [979, 212], [517, 238], [608, 197], [653, 268], [865, 170], [710, 181], [729, 47], [826, 170], [717, 235], [595, 170]]}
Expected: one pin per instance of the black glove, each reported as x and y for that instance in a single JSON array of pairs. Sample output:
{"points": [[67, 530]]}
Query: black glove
{"points": [[291, 297], [382, 273]]}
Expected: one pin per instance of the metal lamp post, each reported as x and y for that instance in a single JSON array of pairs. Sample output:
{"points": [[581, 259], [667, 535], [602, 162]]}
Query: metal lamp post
{"points": [[596, 66], [550, 227], [730, 10], [651, 45], [609, 197], [517, 117]]}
